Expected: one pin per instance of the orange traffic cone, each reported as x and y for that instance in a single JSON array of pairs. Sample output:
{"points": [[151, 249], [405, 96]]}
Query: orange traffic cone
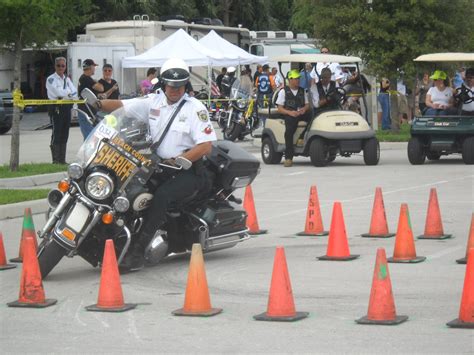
{"points": [[404, 251], [249, 206], [381, 303], [110, 291], [378, 223], [338, 247], [434, 225], [466, 312], [281, 306], [27, 230], [3, 258], [470, 242], [31, 284], [314, 222], [197, 301]]}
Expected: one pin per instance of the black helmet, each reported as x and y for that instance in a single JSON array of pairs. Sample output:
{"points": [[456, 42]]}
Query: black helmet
{"points": [[174, 72]]}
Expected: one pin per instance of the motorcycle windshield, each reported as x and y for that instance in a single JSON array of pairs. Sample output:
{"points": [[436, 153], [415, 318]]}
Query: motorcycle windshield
{"points": [[118, 130], [238, 92]]}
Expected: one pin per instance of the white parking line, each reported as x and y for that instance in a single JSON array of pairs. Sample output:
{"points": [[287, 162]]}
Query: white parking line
{"points": [[296, 173], [444, 252]]}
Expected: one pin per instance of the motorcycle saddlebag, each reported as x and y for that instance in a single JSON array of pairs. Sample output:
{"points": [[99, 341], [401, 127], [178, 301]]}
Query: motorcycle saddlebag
{"points": [[234, 166]]}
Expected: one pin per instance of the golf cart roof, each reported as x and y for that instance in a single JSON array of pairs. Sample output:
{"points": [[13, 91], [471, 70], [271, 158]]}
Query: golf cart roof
{"points": [[316, 58], [446, 57]]}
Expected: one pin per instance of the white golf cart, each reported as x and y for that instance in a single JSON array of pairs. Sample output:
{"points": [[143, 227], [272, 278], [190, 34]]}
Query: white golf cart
{"points": [[340, 131]]}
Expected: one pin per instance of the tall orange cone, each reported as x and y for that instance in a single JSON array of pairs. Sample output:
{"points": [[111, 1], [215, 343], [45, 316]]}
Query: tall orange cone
{"points": [[3, 258], [27, 230], [249, 206], [338, 247], [470, 242], [197, 301], [110, 291], [314, 222], [466, 311], [404, 251], [378, 222], [381, 303], [281, 306], [434, 225], [31, 285]]}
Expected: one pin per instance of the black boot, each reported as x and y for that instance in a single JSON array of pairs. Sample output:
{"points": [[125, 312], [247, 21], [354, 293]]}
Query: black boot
{"points": [[62, 153], [55, 152], [134, 260]]}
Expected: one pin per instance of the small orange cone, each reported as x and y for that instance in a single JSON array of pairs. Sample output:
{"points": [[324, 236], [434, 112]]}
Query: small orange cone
{"points": [[110, 291], [466, 311], [404, 251], [281, 306], [197, 301], [3, 258], [338, 247], [31, 284], [314, 222], [434, 225], [378, 222], [470, 242], [249, 206], [27, 230], [381, 303]]}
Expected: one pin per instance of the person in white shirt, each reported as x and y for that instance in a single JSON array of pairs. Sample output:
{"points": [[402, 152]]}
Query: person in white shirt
{"points": [[190, 136], [60, 87], [468, 86], [319, 92], [439, 98], [336, 71]]}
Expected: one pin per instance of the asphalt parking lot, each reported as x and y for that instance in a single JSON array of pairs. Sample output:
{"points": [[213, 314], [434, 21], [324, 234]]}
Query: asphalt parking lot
{"points": [[334, 293]]}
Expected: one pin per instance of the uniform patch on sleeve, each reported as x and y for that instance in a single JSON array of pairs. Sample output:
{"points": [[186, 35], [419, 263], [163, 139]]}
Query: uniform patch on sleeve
{"points": [[203, 115], [50, 80], [208, 129]]}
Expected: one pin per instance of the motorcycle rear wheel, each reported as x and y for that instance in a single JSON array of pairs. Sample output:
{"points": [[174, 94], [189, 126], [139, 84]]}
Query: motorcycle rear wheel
{"points": [[49, 255]]}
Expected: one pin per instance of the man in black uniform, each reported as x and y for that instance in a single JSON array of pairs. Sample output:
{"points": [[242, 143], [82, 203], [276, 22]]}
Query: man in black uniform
{"points": [[321, 100], [60, 87], [293, 103]]}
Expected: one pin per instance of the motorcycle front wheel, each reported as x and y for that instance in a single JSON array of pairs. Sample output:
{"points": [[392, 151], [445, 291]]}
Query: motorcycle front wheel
{"points": [[232, 131], [49, 255]]}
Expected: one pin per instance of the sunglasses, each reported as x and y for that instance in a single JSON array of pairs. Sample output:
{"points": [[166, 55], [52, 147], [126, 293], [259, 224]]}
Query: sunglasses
{"points": [[60, 66]]}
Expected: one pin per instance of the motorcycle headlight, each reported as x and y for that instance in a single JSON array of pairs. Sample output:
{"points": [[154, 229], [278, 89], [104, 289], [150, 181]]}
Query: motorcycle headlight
{"points": [[121, 204], [75, 171], [241, 103], [99, 186]]}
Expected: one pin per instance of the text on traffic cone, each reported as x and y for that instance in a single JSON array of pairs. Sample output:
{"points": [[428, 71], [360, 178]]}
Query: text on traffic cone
{"points": [[314, 222], [197, 301]]}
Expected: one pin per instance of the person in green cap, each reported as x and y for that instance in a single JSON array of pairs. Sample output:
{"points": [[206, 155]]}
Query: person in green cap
{"points": [[292, 102], [439, 98]]}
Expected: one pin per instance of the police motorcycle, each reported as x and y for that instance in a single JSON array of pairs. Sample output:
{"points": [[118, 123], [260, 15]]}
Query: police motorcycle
{"points": [[110, 187], [242, 115]]}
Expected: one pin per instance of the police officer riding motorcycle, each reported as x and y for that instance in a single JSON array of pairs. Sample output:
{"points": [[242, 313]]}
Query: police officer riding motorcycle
{"points": [[152, 204]]}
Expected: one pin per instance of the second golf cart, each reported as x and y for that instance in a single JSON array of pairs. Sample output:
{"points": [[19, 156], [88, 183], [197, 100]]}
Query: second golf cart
{"points": [[338, 132]]}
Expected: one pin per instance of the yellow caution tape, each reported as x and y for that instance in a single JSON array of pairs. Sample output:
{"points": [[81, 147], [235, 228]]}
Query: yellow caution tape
{"points": [[21, 103]]}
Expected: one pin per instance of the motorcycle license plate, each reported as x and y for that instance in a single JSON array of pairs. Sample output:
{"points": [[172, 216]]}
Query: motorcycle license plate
{"points": [[78, 217], [112, 159]]}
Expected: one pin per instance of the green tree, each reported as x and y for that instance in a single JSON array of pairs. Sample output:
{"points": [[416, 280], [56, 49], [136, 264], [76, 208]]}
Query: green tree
{"points": [[389, 34], [33, 23]]}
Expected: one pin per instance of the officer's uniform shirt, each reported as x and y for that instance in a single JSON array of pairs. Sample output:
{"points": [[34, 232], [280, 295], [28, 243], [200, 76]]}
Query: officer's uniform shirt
{"points": [[281, 98], [190, 127], [60, 88], [315, 93]]}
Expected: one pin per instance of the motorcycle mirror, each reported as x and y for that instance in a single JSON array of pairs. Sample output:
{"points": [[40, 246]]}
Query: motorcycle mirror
{"points": [[184, 163], [89, 96]]}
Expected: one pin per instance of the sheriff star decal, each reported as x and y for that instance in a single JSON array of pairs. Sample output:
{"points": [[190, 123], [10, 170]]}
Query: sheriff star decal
{"points": [[208, 129], [203, 115]]}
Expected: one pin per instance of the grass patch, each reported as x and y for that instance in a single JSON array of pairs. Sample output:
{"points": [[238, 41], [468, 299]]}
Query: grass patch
{"points": [[13, 196], [31, 169], [388, 136]]}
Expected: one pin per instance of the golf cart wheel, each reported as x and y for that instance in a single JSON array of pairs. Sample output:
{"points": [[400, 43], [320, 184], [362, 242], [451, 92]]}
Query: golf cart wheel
{"points": [[433, 155], [468, 150], [318, 152], [269, 155], [371, 151], [416, 151]]}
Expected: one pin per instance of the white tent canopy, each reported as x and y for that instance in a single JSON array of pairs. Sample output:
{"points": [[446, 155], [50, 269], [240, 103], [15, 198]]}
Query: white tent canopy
{"points": [[178, 45], [233, 55]]}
